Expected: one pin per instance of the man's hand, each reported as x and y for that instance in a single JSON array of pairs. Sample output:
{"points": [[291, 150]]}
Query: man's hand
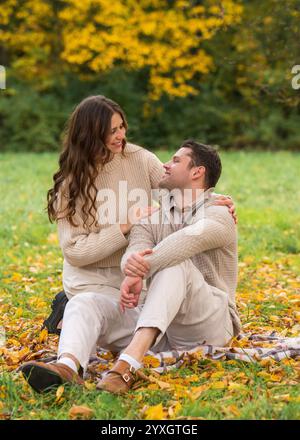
{"points": [[131, 288], [136, 265], [227, 201]]}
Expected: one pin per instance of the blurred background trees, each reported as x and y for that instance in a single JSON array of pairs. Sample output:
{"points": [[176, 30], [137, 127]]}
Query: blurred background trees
{"points": [[219, 71]]}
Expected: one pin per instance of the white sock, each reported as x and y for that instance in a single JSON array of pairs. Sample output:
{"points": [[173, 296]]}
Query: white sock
{"points": [[67, 361], [130, 360]]}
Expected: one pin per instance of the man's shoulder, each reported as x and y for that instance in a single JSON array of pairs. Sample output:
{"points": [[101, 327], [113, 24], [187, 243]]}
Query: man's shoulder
{"points": [[217, 211]]}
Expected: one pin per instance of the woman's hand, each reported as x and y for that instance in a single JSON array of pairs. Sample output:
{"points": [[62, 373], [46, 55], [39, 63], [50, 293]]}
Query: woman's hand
{"points": [[131, 288], [137, 214], [227, 201]]}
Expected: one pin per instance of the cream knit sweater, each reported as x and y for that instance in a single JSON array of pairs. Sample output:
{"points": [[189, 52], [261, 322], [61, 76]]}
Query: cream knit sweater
{"points": [[210, 242], [103, 246]]}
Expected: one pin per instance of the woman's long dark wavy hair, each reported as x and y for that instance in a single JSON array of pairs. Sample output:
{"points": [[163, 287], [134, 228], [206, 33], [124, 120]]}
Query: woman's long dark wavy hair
{"points": [[84, 150]]}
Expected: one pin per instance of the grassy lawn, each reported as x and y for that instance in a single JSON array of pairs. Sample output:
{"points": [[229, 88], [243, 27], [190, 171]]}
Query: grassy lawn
{"points": [[266, 189]]}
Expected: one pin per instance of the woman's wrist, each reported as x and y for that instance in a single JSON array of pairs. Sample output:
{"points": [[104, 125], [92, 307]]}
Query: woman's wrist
{"points": [[125, 228]]}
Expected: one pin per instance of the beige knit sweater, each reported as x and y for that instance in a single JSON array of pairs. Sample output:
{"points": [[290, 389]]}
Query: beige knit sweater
{"points": [[210, 242], [103, 246]]}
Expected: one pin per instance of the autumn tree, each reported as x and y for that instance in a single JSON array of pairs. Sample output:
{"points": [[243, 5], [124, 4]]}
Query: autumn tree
{"points": [[91, 37], [231, 60]]}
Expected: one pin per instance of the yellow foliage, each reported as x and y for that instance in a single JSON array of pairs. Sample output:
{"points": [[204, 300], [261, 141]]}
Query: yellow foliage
{"points": [[97, 34]]}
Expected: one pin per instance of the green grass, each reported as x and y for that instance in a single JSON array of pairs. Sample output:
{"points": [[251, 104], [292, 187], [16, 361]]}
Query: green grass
{"points": [[266, 190], [265, 187]]}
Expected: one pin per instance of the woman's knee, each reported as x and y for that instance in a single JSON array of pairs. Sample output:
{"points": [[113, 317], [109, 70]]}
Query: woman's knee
{"points": [[82, 298], [89, 302]]}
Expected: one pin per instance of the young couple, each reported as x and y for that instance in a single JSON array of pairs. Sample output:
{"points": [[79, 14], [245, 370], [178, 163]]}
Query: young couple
{"points": [[190, 266]]}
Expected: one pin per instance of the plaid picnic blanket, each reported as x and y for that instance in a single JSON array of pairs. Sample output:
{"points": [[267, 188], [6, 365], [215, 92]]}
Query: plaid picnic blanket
{"points": [[261, 347], [245, 347]]}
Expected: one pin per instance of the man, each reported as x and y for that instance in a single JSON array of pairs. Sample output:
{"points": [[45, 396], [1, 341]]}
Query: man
{"points": [[191, 271], [191, 268]]}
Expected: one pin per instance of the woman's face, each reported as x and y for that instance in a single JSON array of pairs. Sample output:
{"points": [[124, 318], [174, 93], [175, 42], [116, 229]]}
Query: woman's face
{"points": [[115, 139]]}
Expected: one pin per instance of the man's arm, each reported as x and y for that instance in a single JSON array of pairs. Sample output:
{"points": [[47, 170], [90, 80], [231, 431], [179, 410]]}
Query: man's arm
{"points": [[140, 238], [213, 231]]}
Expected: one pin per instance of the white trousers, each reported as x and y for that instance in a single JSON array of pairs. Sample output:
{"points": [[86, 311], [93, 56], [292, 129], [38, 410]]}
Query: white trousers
{"points": [[179, 302]]}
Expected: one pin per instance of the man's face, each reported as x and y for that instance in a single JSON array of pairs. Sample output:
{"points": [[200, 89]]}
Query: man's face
{"points": [[177, 171]]}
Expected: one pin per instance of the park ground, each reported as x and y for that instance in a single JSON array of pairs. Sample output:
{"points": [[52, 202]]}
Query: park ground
{"points": [[266, 190]]}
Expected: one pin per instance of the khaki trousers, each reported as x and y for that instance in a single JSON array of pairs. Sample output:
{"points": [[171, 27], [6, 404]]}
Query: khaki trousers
{"points": [[179, 302]]}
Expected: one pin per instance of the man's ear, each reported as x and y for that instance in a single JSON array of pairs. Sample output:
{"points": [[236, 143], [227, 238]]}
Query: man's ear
{"points": [[198, 172]]}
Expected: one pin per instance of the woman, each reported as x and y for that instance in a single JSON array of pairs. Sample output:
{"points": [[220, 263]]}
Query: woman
{"points": [[95, 161], [96, 157]]}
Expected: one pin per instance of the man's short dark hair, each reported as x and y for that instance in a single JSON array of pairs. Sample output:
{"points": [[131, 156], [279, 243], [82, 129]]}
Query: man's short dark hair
{"points": [[207, 156]]}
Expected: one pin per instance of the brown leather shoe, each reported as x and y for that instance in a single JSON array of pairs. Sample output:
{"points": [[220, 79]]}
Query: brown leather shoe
{"points": [[119, 379], [42, 377]]}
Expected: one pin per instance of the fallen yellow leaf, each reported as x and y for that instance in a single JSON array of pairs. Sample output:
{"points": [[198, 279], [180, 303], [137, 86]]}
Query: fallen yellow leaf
{"points": [[81, 412], [16, 276], [150, 361], [23, 353], [217, 375], [174, 409], [163, 385], [59, 392], [233, 409], [276, 378], [154, 412], [219, 385], [274, 318], [19, 312], [197, 391], [13, 342], [43, 336], [282, 397], [12, 357], [264, 374], [89, 385], [234, 386], [153, 386]]}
